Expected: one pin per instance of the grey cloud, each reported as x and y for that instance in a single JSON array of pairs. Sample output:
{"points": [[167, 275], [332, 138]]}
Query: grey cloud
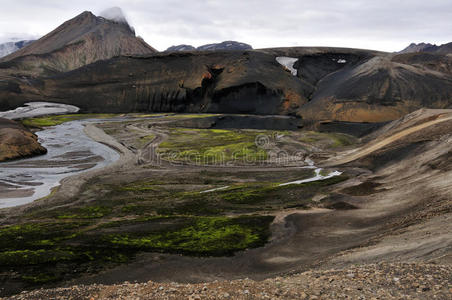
{"points": [[383, 25]]}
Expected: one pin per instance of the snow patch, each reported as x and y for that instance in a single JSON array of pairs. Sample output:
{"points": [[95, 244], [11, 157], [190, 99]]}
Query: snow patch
{"points": [[288, 62]]}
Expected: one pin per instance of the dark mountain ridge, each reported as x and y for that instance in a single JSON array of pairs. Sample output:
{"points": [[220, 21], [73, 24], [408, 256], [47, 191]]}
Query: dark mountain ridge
{"points": [[427, 47]]}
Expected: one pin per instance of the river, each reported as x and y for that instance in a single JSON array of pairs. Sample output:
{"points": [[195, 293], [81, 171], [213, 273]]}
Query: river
{"points": [[69, 151]]}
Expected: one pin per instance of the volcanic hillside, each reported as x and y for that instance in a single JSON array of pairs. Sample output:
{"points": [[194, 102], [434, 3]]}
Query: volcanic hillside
{"points": [[78, 42]]}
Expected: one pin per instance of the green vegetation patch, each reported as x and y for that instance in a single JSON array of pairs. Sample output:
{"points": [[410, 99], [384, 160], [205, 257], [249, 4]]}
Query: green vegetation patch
{"points": [[246, 198], [87, 212], [34, 257], [35, 235], [212, 146], [196, 235], [60, 119]]}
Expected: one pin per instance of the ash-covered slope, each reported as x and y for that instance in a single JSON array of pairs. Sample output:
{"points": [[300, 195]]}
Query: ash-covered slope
{"points": [[379, 88], [229, 82], [77, 42]]}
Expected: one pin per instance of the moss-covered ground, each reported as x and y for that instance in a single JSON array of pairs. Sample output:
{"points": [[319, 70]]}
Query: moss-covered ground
{"points": [[213, 146], [60, 119]]}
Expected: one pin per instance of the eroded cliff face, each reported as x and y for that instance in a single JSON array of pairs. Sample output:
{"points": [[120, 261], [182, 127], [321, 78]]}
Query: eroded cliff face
{"points": [[17, 142], [329, 84], [234, 82]]}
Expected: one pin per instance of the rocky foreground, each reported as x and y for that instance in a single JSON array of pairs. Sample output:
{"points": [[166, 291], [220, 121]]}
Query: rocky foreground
{"points": [[372, 281]]}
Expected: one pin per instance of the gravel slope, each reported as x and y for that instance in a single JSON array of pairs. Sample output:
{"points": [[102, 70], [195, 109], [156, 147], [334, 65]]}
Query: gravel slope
{"points": [[373, 281]]}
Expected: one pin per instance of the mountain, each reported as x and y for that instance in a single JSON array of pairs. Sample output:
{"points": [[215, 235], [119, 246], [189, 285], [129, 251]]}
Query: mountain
{"points": [[10, 47], [226, 45], [423, 47], [80, 41]]}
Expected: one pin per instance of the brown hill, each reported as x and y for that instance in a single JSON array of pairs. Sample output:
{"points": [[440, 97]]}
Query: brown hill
{"points": [[17, 142], [77, 42]]}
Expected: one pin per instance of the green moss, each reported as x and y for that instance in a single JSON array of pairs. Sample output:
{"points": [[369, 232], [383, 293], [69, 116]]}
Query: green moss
{"points": [[87, 212], [33, 235], [34, 257], [57, 120], [212, 146], [200, 236]]}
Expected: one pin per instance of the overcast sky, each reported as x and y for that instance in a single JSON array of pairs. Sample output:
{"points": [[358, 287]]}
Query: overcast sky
{"points": [[388, 25]]}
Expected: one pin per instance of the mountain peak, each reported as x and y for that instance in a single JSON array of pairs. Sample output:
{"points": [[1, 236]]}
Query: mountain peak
{"points": [[420, 47], [83, 40]]}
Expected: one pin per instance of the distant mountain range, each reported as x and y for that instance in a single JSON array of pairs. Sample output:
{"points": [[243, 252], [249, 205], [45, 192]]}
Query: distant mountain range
{"points": [[10, 47], [427, 47], [97, 63], [226, 45]]}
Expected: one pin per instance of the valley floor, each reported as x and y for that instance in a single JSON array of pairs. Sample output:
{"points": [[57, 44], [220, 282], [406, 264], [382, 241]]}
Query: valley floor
{"points": [[382, 228]]}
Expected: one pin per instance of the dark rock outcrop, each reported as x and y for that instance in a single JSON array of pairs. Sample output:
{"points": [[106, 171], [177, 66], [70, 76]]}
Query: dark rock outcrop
{"points": [[17, 142]]}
